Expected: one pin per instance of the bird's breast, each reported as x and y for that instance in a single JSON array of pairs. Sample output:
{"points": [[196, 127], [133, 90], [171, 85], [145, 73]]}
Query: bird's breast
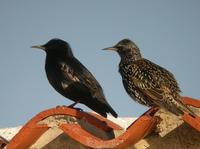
{"points": [[52, 77], [53, 73], [125, 70]]}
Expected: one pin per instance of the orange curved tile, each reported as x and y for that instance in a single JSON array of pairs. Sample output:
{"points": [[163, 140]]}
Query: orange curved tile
{"points": [[191, 102], [192, 121], [32, 130], [139, 129]]}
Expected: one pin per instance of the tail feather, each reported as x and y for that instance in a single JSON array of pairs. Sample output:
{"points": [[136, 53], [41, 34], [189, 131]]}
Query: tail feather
{"points": [[102, 108], [187, 109], [111, 111], [178, 107]]}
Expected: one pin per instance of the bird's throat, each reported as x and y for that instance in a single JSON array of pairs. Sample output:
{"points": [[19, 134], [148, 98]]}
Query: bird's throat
{"points": [[131, 56]]}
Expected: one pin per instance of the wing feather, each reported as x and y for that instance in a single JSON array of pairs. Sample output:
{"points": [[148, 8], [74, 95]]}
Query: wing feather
{"points": [[153, 80], [84, 80]]}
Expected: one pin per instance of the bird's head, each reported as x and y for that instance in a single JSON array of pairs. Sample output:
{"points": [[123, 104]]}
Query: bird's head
{"points": [[125, 48], [56, 46]]}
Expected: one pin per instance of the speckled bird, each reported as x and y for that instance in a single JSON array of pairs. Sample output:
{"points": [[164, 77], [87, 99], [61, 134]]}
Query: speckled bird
{"points": [[146, 82], [72, 79]]}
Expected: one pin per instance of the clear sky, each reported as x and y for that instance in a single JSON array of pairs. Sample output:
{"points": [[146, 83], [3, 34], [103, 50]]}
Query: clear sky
{"points": [[167, 32]]}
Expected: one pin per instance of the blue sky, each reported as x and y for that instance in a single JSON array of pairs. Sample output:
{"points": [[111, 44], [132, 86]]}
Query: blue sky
{"points": [[167, 33]]}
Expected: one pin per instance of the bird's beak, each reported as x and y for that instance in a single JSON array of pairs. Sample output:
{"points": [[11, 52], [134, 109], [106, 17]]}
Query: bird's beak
{"points": [[110, 48], [38, 47]]}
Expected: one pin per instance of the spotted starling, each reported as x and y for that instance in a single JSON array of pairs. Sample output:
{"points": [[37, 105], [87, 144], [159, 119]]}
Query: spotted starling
{"points": [[71, 79], [146, 82]]}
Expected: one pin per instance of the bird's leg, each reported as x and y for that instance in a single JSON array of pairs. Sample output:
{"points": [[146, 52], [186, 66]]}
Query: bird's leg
{"points": [[72, 105], [153, 110]]}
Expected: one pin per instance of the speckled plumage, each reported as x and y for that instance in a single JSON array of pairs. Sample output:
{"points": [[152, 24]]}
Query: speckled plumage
{"points": [[146, 82]]}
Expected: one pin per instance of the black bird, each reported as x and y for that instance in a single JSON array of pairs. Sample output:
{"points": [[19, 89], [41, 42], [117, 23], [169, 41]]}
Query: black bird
{"points": [[146, 82], [71, 79]]}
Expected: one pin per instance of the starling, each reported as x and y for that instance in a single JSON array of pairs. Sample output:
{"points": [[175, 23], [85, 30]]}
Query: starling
{"points": [[146, 82], [72, 79]]}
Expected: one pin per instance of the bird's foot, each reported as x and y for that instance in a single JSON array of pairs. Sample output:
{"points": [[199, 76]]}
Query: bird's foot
{"points": [[151, 111], [79, 109], [72, 105]]}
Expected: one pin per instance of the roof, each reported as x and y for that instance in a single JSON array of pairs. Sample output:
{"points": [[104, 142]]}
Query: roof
{"points": [[91, 130]]}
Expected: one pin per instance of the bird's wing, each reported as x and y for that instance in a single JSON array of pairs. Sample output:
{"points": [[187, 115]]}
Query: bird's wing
{"points": [[152, 79], [87, 79], [68, 76], [82, 79], [159, 85]]}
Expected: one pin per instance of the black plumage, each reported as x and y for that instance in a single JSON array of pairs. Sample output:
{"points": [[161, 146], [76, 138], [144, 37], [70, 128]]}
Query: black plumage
{"points": [[146, 82], [72, 79]]}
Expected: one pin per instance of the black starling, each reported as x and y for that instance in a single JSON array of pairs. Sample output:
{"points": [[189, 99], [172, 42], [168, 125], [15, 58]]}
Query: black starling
{"points": [[71, 79], [146, 82]]}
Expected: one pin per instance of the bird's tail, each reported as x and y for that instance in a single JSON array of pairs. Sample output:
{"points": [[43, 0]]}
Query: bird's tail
{"points": [[111, 111], [178, 107], [102, 108], [187, 109]]}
